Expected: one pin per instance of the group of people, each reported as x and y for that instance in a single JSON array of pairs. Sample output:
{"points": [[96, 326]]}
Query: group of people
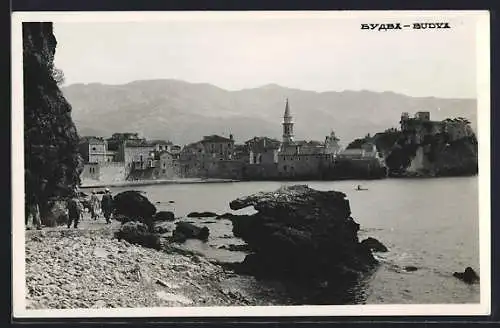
{"points": [[76, 208]]}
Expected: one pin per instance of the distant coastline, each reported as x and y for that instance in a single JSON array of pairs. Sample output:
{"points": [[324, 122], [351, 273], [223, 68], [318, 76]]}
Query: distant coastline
{"points": [[99, 184], [200, 180]]}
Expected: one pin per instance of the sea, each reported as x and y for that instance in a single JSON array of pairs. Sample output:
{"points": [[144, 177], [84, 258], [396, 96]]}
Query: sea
{"points": [[430, 224]]}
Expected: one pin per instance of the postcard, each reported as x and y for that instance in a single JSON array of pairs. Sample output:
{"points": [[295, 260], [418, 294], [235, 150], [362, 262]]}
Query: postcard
{"points": [[261, 163]]}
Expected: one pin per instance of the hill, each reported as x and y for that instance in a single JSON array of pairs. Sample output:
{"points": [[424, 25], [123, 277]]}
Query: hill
{"points": [[184, 112]]}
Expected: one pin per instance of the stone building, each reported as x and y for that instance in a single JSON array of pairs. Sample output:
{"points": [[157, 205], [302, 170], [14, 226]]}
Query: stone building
{"points": [[191, 159], [303, 159], [138, 155], [262, 158], [200, 159], [332, 145], [166, 166], [218, 147], [95, 150], [115, 143], [262, 150], [91, 171], [421, 126]]}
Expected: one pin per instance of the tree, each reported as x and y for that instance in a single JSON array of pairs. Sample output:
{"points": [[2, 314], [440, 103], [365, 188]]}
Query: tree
{"points": [[58, 76]]}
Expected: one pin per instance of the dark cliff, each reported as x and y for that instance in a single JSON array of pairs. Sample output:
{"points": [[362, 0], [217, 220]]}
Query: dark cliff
{"points": [[52, 163]]}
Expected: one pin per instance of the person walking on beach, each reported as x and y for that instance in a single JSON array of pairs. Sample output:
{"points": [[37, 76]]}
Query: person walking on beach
{"points": [[33, 214], [107, 205], [94, 206], [74, 211]]}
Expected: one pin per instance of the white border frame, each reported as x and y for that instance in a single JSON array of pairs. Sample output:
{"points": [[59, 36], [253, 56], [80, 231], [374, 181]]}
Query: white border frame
{"points": [[18, 232]]}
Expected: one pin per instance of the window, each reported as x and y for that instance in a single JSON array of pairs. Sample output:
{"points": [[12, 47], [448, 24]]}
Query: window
{"points": [[164, 171], [93, 148]]}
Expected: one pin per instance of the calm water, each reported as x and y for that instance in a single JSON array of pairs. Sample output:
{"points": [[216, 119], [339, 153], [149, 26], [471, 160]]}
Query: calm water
{"points": [[432, 224]]}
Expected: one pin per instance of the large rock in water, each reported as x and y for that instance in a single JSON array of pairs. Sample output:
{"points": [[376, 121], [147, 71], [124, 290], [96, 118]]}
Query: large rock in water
{"points": [[134, 206], [301, 234]]}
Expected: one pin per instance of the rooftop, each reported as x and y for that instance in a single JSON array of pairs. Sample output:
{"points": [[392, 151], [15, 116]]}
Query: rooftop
{"points": [[215, 138], [92, 139]]}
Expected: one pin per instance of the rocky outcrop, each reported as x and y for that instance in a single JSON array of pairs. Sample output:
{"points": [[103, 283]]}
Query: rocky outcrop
{"points": [[186, 230], [202, 215], [469, 276], [301, 234], [450, 150], [374, 245], [133, 205], [138, 233], [52, 161], [164, 216]]}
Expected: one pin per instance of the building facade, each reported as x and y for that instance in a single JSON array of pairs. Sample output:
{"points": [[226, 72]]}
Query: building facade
{"points": [[95, 150], [303, 159], [218, 147]]}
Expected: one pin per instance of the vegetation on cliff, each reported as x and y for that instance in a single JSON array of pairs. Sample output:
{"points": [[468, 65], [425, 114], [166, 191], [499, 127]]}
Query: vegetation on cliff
{"points": [[52, 163]]}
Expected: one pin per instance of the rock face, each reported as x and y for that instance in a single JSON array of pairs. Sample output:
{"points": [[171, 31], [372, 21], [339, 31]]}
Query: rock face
{"points": [[133, 205], [301, 234], [52, 160]]}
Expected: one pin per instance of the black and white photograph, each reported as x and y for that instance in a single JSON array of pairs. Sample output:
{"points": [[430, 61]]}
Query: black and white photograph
{"points": [[321, 163]]}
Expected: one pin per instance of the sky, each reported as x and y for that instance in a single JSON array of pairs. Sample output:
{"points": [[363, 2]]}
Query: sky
{"points": [[308, 52]]}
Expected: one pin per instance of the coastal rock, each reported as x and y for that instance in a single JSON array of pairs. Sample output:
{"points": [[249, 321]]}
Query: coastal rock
{"points": [[164, 216], [301, 234], [225, 216], [469, 276], [163, 227], [185, 230], [374, 245], [410, 268], [202, 215], [235, 248], [133, 205], [138, 233]]}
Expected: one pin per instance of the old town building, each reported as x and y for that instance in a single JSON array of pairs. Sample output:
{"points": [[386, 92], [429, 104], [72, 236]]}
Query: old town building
{"points": [[303, 159]]}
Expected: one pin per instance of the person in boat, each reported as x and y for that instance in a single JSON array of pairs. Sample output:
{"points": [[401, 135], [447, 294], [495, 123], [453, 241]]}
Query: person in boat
{"points": [[359, 188]]}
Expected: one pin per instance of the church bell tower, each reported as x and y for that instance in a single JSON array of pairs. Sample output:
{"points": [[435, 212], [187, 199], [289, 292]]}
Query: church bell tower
{"points": [[287, 125]]}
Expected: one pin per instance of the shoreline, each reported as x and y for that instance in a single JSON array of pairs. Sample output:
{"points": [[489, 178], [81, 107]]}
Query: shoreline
{"points": [[214, 180], [154, 182], [118, 274]]}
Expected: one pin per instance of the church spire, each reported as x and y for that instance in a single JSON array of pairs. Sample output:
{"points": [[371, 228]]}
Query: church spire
{"points": [[287, 110], [287, 125]]}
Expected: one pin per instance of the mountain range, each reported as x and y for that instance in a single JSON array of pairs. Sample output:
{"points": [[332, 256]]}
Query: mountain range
{"points": [[185, 112]]}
